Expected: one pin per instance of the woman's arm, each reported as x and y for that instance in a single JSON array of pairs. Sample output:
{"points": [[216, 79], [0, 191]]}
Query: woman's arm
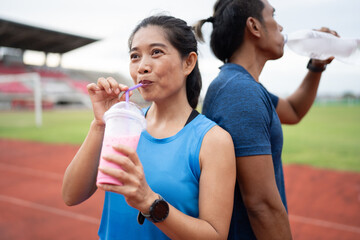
{"points": [[216, 194], [79, 181]]}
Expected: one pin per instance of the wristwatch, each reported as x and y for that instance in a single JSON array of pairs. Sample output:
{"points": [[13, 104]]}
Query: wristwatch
{"points": [[159, 210], [313, 68]]}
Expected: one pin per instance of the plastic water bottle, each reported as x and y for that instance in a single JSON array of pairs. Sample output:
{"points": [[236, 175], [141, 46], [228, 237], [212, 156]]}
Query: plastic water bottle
{"points": [[321, 45]]}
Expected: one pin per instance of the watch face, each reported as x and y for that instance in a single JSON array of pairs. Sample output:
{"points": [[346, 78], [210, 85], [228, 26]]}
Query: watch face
{"points": [[160, 210]]}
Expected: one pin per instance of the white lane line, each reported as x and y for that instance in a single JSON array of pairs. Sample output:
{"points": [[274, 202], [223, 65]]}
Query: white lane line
{"points": [[44, 208], [30, 171], [322, 223]]}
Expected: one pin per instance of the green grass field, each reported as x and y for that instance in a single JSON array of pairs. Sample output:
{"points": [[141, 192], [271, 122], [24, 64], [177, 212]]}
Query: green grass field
{"points": [[61, 126], [328, 137]]}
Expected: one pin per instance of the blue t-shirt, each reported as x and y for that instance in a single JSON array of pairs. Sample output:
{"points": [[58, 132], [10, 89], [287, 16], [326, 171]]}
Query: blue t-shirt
{"points": [[245, 109], [172, 169]]}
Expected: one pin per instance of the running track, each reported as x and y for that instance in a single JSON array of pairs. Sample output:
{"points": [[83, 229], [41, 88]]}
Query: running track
{"points": [[322, 204]]}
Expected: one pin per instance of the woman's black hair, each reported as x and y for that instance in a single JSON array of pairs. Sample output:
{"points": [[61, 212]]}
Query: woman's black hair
{"points": [[229, 23], [181, 36]]}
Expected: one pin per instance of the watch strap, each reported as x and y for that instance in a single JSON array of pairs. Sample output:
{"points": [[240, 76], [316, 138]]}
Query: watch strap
{"points": [[140, 218]]}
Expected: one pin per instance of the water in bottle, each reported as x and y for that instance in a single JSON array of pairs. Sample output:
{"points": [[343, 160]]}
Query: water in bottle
{"points": [[321, 45]]}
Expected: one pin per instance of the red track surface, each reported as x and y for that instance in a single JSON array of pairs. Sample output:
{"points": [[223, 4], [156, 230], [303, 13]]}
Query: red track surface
{"points": [[322, 204]]}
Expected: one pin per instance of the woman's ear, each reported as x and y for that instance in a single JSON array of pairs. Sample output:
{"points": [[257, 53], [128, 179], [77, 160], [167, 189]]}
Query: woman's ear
{"points": [[254, 26], [189, 63]]}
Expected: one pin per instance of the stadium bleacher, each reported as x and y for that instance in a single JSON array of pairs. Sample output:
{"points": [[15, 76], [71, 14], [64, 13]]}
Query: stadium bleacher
{"points": [[14, 87], [4, 69], [59, 86]]}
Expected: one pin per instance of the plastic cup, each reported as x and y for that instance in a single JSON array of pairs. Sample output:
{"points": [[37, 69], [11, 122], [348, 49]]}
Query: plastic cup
{"points": [[124, 123]]}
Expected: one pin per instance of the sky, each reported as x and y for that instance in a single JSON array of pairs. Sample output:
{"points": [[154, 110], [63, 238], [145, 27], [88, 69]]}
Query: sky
{"points": [[113, 20]]}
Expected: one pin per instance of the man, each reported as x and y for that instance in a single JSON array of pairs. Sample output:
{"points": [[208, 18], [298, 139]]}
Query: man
{"points": [[245, 36]]}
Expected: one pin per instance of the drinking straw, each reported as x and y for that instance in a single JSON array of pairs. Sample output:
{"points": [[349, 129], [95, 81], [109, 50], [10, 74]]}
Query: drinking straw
{"points": [[130, 89]]}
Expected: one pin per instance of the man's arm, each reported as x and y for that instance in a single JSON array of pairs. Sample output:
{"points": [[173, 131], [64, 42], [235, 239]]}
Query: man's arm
{"points": [[266, 211], [292, 109]]}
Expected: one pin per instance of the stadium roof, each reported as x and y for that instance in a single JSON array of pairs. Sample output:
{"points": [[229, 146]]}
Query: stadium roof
{"points": [[26, 37]]}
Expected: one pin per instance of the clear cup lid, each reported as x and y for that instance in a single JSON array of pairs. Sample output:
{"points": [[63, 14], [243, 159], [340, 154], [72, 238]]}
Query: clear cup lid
{"points": [[126, 109]]}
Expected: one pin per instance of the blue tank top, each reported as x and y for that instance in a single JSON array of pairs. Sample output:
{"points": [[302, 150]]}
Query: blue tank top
{"points": [[172, 169]]}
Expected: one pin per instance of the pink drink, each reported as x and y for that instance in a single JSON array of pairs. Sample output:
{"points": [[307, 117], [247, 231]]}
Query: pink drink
{"points": [[124, 122], [107, 149]]}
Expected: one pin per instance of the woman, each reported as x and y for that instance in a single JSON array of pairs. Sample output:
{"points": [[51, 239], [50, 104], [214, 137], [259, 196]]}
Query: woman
{"points": [[245, 36], [176, 176]]}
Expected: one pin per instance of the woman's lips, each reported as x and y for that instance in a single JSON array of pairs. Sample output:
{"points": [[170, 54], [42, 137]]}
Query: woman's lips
{"points": [[145, 82]]}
